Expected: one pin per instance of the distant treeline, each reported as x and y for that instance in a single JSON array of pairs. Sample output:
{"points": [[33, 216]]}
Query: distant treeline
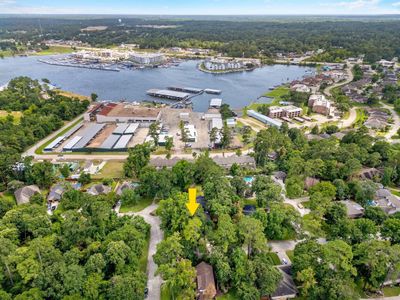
{"points": [[376, 38]]}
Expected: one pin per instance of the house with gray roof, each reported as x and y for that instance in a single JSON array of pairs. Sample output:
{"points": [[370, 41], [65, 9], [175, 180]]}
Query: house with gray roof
{"points": [[124, 186], [24, 194], [99, 189], [56, 193], [353, 209], [286, 287], [388, 202]]}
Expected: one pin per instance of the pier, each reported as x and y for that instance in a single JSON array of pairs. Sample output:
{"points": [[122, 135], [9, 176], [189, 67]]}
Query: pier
{"points": [[211, 91], [64, 64], [186, 89], [168, 94]]}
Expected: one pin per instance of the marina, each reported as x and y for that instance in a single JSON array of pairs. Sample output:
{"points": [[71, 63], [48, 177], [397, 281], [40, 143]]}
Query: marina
{"points": [[236, 89]]}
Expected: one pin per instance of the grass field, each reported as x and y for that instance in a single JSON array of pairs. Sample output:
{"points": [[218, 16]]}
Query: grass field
{"points": [[55, 50], [395, 192], [73, 95], [16, 114], [112, 169], [290, 254], [275, 94], [391, 291], [361, 117], [275, 259], [51, 51], [144, 202]]}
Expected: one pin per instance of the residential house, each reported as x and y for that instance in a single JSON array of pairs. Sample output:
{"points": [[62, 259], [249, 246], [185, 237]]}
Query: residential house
{"points": [[124, 186], [354, 210], [55, 193], [387, 201], [369, 173], [206, 288], [286, 289], [309, 182], [24, 194], [99, 189]]}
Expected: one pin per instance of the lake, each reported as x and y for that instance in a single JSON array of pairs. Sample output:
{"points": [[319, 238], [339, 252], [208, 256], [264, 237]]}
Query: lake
{"points": [[238, 89]]}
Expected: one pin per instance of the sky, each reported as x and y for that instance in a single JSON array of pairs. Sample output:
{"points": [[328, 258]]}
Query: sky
{"points": [[202, 7]]}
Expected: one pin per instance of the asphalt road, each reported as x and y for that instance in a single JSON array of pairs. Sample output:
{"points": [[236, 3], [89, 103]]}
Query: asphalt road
{"points": [[156, 236]]}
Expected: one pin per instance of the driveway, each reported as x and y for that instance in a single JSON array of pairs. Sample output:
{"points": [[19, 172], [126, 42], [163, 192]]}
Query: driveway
{"points": [[293, 202], [280, 247], [156, 236]]}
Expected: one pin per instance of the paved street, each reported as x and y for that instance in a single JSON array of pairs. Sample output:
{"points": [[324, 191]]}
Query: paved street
{"points": [[350, 77], [396, 122], [156, 236]]}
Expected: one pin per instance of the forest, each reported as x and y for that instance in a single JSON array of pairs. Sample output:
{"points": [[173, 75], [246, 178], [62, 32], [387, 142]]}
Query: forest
{"points": [[42, 112], [353, 260], [259, 37]]}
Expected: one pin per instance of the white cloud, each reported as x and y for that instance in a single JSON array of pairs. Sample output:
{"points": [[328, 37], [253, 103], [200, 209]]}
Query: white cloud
{"points": [[396, 4], [357, 4], [7, 2]]}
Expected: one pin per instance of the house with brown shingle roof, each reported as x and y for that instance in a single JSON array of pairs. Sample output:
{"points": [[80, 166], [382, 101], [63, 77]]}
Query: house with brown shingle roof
{"points": [[206, 289], [24, 194]]}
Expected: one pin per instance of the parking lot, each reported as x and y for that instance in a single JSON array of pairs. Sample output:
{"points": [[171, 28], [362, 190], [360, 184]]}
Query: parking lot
{"points": [[171, 118]]}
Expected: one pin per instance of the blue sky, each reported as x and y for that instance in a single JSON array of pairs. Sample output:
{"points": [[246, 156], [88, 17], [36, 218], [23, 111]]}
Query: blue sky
{"points": [[201, 7]]}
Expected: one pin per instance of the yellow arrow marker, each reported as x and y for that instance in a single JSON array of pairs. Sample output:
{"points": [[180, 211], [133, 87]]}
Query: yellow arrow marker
{"points": [[192, 205]]}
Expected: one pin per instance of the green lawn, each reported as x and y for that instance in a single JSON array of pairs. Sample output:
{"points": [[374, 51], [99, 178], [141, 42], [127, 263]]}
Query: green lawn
{"points": [[290, 254], [55, 50], [250, 202], [138, 207], [361, 117], [16, 114], [112, 169], [41, 148], [274, 258], [275, 94], [278, 93], [143, 258], [395, 192], [391, 291]]}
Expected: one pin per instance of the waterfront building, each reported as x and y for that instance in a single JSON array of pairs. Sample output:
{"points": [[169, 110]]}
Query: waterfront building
{"points": [[275, 112], [223, 65], [292, 111], [123, 113], [147, 58]]}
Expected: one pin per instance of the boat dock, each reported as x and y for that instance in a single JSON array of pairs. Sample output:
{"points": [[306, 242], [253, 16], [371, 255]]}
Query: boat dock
{"points": [[83, 66], [211, 91], [185, 89], [168, 94]]}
